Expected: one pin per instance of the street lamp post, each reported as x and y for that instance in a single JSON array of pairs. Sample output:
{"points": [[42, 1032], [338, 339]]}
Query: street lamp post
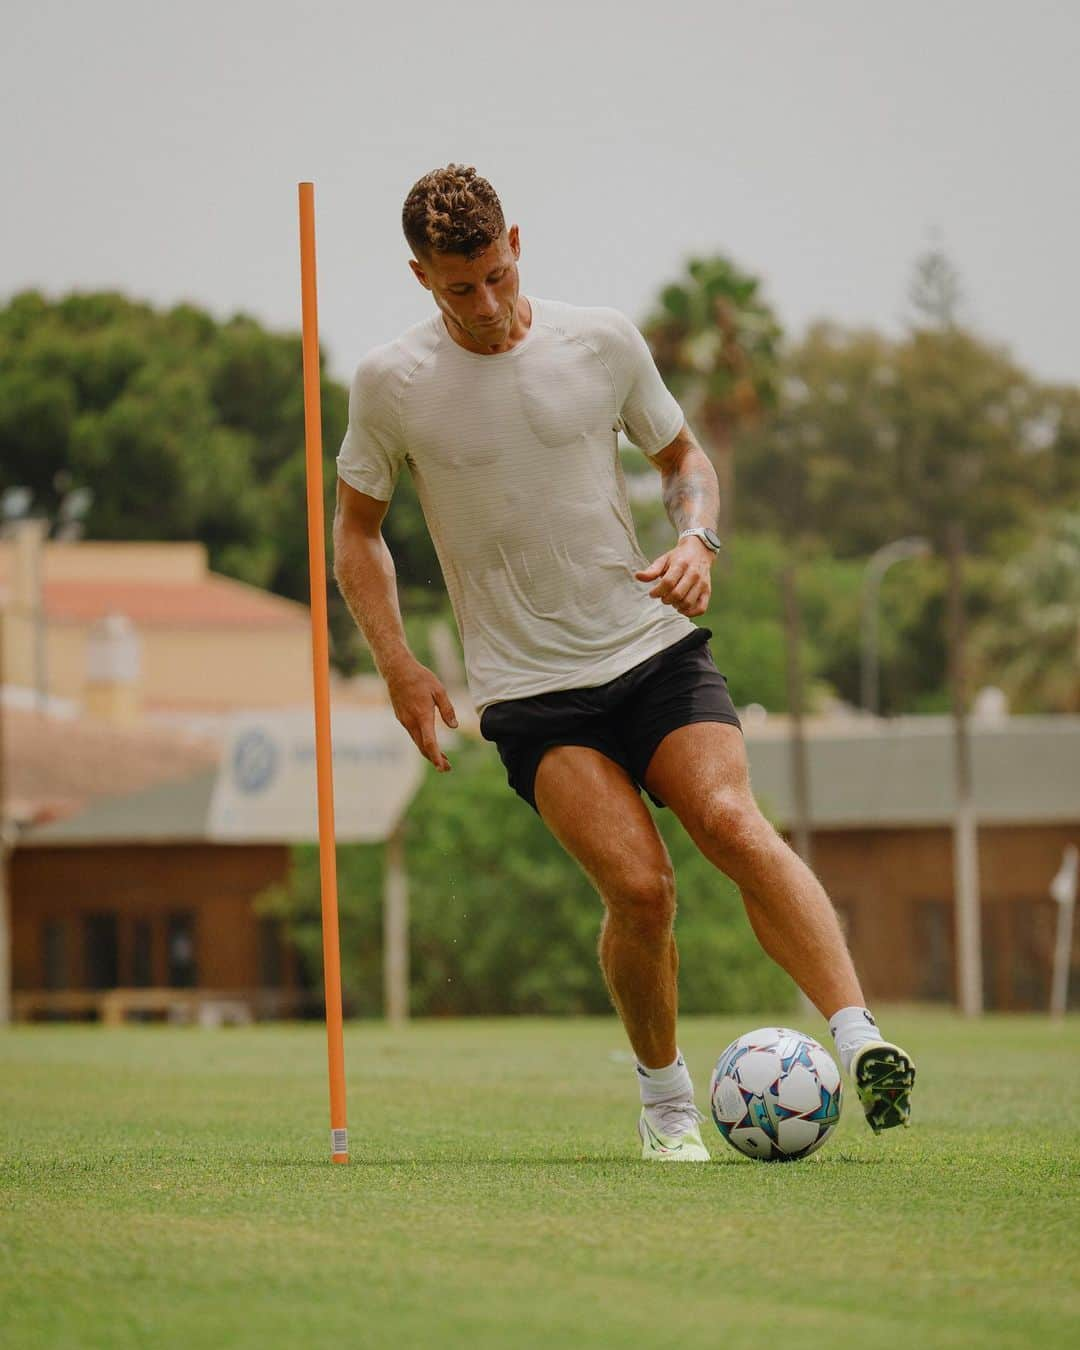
{"points": [[913, 547]]}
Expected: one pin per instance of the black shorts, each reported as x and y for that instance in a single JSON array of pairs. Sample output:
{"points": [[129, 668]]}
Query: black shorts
{"points": [[625, 719]]}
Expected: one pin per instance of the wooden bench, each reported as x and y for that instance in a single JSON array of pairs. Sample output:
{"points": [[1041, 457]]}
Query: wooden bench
{"points": [[112, 1007]]}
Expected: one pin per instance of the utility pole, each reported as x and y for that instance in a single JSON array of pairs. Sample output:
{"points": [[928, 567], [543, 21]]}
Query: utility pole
{"points": [[800, 771], [1063, 890], [396, 929], [965, 838], [800, 774]]}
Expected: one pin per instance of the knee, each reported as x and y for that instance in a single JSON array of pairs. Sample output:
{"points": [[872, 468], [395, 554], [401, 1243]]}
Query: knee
{"points": [[731, 828], [644, 899]]}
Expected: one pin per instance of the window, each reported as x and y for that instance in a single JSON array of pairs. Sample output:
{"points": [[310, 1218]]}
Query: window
{"points": [[270, 954], [181, 951], [933, 927], [54, 954], [100, 951], [142, 953]]}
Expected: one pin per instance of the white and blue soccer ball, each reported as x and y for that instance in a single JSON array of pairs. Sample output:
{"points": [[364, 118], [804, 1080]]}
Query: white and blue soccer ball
{"points": [[775, 1094]]}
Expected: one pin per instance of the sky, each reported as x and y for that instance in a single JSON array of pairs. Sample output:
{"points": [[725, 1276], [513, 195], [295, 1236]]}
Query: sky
{"points": [[156, 149]]}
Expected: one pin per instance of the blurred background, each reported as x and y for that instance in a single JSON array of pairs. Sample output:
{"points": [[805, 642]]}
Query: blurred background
{"points": [[849, 237]]}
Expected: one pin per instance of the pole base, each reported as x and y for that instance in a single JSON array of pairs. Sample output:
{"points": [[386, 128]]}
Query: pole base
{"points": [[339, 1145]]}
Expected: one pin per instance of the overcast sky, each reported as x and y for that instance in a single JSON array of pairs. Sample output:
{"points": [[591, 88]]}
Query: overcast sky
{"points": [[156, 148]]}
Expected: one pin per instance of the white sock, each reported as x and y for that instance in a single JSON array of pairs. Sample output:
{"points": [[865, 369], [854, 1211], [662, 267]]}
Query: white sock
{"points": [[852, 1027], [666, 1085]]}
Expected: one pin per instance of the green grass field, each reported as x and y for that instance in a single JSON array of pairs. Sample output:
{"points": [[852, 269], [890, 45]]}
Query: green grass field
{"points": [[171, 1188]]}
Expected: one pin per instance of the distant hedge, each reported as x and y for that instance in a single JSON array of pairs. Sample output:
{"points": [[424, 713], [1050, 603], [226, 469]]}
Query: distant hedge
{"points": [[503, 921]]}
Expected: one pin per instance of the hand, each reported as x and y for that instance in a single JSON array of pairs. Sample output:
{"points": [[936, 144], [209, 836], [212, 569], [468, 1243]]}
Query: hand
{"points": [[415, 693], [683, 576]]}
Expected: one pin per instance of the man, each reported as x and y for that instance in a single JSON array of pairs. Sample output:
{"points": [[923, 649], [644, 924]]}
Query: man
{"points": [[581, 655]]}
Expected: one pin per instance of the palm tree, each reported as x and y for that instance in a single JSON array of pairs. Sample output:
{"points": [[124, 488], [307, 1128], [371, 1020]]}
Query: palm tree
{"points": [[715, 342]]}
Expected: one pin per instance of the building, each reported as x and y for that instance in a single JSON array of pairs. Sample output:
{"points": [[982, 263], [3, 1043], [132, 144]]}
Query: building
{"points": [[133, 891], [881, 801], [132, 630], [117, 898], [122, 667], [128, 907]]}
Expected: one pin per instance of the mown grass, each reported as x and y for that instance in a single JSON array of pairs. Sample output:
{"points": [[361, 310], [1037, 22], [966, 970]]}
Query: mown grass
{"points": [[171, 1188]]}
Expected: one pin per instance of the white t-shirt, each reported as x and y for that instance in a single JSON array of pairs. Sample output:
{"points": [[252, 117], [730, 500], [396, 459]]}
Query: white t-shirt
{"points": [[516, 466]]}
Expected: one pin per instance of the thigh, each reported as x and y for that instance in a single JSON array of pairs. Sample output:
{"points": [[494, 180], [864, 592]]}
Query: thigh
{"points": [[592, 806], [683, 691], [701, 772]]}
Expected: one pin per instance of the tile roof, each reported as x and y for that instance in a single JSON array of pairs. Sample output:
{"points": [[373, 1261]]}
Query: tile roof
{"points": [[57, 766], [212, 602], [897, 774], [1026, 770]]}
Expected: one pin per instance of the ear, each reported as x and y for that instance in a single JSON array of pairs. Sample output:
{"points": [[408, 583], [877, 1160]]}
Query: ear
{"points": [[514, 238], [419, 273]]}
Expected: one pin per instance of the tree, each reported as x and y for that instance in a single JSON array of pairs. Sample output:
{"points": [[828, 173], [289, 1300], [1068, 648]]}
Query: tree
{"points": [[935, 291], [183, 427], [715, 342], [1028, 642], [874, 438]]}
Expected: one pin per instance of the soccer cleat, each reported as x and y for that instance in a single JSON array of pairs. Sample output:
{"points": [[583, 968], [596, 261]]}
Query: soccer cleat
{"points": [[884, 1076], [669, 1133]]}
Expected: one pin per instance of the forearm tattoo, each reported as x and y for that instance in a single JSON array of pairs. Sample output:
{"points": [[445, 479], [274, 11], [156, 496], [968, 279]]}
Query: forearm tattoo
{"points": [[690, 492]]}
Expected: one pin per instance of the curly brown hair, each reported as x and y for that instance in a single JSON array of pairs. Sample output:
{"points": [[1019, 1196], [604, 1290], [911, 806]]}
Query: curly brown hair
{"points": [[452, 210]]}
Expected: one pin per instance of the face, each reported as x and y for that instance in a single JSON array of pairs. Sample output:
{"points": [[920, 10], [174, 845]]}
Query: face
{"points": [[477, 296]]}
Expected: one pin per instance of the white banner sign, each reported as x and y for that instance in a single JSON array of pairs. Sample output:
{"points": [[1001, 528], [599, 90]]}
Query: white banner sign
{"points": [[266, 785]]}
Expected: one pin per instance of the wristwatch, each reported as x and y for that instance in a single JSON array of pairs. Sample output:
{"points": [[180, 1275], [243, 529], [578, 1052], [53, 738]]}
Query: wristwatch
{"points": [[708, 537]]}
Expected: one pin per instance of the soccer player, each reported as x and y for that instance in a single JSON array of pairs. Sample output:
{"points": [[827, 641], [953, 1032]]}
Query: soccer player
{"points": [[582, 659]]}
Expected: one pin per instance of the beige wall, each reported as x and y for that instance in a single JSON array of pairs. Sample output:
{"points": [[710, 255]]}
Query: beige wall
{"points": [[197, 668], [65, 654], [246, 667], [192, 667]]}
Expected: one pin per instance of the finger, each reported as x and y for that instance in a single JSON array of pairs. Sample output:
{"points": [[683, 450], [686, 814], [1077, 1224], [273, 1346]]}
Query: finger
{"points": [[654, 569], [423, 733], [689, 602], [683, 588], [667, 584], [431, 745], [445, 707]]}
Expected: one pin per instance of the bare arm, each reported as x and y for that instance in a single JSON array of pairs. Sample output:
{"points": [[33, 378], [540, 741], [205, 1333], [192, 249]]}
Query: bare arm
{"points": [[690, 489], [691, 494], [364, 571]]}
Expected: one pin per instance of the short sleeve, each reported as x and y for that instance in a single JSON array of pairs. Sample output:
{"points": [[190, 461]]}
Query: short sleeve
{"points": [[650, 415], [372, 452]]}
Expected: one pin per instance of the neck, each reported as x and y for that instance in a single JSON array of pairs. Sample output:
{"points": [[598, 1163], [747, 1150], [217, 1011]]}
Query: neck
{"points": [[518, 331]]}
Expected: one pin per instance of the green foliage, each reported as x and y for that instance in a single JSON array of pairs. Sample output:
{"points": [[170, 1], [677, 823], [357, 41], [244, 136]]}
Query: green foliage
{"points": [[183, 428], [503, 921], [874, 439], [1028, 642], [715, 340]]}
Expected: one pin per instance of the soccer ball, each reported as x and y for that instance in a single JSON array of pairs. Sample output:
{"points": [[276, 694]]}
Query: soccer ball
{"points": [[775, 1094]]}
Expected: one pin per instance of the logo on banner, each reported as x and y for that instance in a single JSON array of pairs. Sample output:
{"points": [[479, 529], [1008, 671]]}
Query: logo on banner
{"points": [[254, 761]]}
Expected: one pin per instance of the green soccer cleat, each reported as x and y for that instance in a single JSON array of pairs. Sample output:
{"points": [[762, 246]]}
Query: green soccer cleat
{"points": [[669, 1133], [883, 1075]]}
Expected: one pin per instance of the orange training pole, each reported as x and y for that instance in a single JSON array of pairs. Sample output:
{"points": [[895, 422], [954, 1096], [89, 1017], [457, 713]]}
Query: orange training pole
{"points": [[320, 652]]}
